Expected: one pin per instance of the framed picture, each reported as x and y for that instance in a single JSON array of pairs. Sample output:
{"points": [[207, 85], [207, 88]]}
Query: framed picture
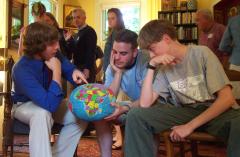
{"points": [[168, 5], [15, 18], [233, 11], [67, 16]]}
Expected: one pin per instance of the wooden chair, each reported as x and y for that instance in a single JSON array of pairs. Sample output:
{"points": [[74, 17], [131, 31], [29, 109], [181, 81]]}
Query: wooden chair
{"points": [[193, 139], [11, 126], [196, 137]]}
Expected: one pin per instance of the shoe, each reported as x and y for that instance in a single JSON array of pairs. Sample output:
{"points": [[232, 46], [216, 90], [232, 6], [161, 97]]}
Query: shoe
{"points": [[115, 147]]}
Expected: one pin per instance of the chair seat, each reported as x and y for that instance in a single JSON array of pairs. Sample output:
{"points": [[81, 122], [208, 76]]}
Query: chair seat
{"points": [[20, 127], [202, 136], [197, 136]]}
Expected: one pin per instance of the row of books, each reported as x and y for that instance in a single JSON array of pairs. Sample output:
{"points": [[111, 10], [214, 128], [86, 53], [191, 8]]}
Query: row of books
{"points": [[187, 33], [179, 17], [190, 43]]}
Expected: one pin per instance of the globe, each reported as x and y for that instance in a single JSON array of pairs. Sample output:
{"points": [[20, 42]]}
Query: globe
{"points": [[91, 102]]}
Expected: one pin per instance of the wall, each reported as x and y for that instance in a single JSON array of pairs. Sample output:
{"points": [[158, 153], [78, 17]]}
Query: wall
{"points": [[207, 4], [94, 9], [3, 28], [88, 6], [3, 45]]}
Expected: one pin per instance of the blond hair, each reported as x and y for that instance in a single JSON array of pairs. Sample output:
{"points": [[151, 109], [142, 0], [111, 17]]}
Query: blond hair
{"points": [[153, 32], [80, 10]]}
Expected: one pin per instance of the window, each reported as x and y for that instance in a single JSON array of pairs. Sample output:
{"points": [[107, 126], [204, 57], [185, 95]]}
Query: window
{"points": [[47, 3]]}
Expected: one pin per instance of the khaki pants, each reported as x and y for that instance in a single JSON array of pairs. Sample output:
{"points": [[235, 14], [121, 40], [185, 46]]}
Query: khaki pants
{"points": [[41, 121]]}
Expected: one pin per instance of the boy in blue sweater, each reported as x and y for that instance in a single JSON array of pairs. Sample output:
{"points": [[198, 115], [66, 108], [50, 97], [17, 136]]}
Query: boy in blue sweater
{"points": [[38, 96]]}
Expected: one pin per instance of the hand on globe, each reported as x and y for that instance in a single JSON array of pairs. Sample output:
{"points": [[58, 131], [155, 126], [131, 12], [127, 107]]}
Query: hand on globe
{"points": [[117, 112], [91, 102]]}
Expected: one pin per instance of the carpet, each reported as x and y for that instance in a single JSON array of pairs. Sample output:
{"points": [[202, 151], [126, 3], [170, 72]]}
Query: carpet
{"points": [[88, 147]]}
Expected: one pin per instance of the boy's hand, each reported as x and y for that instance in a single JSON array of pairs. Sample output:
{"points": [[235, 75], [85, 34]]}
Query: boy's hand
{"points": [[53, 64], [180, 132], [118, 111], [113, 66], [67, 35], [78, 77], [164, 59], [86, 72]]}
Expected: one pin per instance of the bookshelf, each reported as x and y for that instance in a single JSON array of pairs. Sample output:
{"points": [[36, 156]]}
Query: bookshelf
{"points": [[184, 21]]}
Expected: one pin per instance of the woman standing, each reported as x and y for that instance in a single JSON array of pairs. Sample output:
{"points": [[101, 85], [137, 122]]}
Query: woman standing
{"points": [[115, 23], [38, 10], [51, 20]]}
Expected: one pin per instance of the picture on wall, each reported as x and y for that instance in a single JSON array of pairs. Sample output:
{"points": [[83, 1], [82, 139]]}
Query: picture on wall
{"points": [[67, 16], [168, 5], [233, 11]]}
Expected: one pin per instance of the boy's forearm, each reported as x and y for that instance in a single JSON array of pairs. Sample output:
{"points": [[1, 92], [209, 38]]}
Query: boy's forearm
{"points": [[223, 102], [115, 85], [146, 97], [135, 104]]}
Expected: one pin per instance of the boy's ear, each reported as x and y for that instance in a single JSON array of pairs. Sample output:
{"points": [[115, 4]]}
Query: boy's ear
{"points": [[135, 51], [166, 38]]}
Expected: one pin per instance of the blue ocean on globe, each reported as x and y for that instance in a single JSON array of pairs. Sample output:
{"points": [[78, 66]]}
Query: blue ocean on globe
{"points": [[91, 102]]}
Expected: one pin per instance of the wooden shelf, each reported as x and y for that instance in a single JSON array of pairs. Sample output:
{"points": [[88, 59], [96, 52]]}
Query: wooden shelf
{"points": [[186, 25], [188, 40], [176, 11], [184, 21]]}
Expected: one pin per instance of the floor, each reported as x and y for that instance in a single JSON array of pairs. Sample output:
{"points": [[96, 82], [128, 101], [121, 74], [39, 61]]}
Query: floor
{"points": [[88, 148]]}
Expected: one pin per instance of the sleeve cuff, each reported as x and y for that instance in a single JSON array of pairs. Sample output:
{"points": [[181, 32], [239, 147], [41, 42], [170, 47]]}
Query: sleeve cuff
{"points": [[55, 88]]}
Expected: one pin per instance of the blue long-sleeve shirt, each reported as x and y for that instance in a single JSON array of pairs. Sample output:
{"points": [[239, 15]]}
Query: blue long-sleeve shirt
{"points": [[31, 82]]}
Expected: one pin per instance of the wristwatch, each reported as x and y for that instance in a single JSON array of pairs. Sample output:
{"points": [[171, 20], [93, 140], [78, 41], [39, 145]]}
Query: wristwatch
{"points": [[127, 105], [149, 66]]}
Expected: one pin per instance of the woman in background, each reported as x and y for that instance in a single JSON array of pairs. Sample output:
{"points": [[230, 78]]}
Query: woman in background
{"points": [[38, 10], [50, 19], [115, 24]]}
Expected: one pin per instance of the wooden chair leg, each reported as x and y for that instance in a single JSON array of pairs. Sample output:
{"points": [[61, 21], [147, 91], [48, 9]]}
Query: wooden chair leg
{"points": [[182, 150], [11, 153], [169, 145], [194, 148], [123, 136], [4, 150]]}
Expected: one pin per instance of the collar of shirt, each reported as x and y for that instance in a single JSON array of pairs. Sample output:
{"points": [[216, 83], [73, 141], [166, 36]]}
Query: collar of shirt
{"points": [[85, 25]]}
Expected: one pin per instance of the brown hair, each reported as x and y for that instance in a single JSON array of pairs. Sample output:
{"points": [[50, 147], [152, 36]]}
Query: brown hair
{"points": [[38, 9], [51, 16], [153, 32], [120, 22], [37, 36], [127, 36]]}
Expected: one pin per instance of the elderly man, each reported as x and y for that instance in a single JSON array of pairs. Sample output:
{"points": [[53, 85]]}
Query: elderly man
{"points": [[83, 45], [210, 32]]}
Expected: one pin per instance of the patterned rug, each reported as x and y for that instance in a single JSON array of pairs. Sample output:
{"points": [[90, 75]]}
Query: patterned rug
{"points": [[88, 147]]}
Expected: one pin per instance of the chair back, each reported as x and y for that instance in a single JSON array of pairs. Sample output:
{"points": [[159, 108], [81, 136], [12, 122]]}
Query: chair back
{"points": [[13, 126], [7, 120]]}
